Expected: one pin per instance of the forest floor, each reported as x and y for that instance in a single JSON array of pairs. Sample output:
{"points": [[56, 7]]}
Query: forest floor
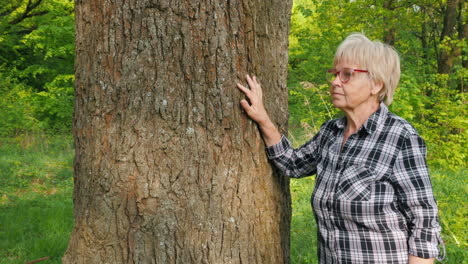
{"points": [[36, 208]]}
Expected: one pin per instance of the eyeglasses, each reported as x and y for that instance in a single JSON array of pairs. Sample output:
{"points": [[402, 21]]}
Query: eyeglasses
{"points": [[345, 74]]}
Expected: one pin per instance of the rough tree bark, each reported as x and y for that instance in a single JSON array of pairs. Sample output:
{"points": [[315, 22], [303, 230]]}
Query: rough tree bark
{"points": [[167, 168]]}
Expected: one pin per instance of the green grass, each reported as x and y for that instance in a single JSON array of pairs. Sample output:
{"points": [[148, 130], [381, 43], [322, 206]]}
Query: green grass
{"points": [[34, 164], [36, 215], [451, 192], [36, 183], [303, 227], [36, 227]]}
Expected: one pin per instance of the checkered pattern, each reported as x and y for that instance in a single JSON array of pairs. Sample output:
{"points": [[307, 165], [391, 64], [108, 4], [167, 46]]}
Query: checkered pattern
{"points": [[373, 198]]}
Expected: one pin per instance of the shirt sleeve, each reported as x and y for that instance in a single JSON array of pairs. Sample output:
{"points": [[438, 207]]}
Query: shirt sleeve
{"points": [[416, 200], [296, 163]]}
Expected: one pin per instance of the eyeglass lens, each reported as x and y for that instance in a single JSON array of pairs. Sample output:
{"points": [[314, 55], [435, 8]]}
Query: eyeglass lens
{"points": [[344, 75]]}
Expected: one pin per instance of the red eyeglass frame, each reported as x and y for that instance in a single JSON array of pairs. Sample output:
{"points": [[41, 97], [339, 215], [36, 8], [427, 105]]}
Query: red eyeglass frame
{"points": [[337, 73]]}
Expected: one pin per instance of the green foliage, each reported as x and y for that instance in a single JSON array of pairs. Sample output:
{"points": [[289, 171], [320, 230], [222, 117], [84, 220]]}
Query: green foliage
{"points": [[433, 103], [304, 113], [439, 114], [36, 65], [54, 105], [15, 110]]}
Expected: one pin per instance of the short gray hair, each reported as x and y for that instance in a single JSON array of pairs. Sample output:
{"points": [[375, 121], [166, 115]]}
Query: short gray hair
{"points": [[381, 60]]}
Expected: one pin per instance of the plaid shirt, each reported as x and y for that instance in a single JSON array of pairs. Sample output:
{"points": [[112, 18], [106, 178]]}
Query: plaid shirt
{"points": [[373, 198]]}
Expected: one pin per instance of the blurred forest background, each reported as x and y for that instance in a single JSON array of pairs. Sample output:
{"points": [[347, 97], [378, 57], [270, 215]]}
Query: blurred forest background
{"points": [[36, 108]]}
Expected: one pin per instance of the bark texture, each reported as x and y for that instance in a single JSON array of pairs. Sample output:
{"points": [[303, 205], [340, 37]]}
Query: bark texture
{"points": [[168, 169]]}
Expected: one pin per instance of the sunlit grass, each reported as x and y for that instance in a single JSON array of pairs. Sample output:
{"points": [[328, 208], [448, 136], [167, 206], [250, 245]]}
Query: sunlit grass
{"points": [[34, 165]]}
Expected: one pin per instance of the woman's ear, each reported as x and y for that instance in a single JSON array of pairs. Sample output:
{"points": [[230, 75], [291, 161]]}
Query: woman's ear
{"points": [[376, 87]]}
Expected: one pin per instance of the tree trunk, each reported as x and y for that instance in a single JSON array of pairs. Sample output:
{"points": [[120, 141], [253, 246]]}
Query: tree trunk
{"points": [[168, 169], [424, 37], [389, 34], [447, 55], [463, 30]]}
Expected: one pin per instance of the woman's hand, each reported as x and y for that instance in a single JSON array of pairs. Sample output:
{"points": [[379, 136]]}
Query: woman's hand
{"points": [[256, 111]]}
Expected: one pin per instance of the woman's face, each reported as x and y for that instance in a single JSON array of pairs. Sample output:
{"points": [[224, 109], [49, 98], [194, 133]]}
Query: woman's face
{"points": [[358, 91]]}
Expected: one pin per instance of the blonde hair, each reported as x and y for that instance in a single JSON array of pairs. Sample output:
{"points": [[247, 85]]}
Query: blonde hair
{"points": [[381, 60]]}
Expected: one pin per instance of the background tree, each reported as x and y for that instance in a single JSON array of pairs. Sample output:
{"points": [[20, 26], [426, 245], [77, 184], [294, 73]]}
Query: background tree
{"points": [[448, 53], [167, 168], [36, 66]]}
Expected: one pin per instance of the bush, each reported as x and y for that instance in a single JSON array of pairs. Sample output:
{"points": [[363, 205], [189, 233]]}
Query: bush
{"points": [[438, 113]]}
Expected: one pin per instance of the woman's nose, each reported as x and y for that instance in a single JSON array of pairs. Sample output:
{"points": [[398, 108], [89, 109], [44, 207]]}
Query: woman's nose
{"points": [[336, 80]]}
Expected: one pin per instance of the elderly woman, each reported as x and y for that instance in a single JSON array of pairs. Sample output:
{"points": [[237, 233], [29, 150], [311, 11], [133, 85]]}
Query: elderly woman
{"points": [[373, 199]]}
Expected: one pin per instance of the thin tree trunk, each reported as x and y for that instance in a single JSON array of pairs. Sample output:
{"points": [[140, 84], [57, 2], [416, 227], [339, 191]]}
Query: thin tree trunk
{"points": [[463, 30], [424, 36], [389, 34], [167, 168], [446, 54]]}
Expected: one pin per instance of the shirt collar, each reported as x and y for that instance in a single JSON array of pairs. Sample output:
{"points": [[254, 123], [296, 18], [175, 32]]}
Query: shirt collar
{"points": [[372, 123]]}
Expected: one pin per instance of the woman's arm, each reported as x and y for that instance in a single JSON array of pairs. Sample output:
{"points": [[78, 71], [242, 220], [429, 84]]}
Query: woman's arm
{"points": [[256, 111], [416, 200], [292, 162]]}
